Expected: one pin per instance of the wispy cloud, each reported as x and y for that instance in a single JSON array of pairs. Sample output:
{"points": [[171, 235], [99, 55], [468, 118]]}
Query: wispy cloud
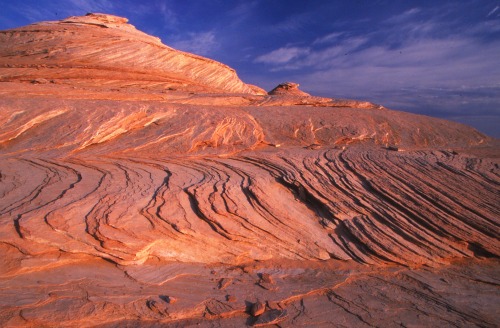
{"points": [[293, 58], [243, 11], [329, 38], [283, 55], [202, 43], [292, 23], [403, 17], [169, 16], [493, 11]]}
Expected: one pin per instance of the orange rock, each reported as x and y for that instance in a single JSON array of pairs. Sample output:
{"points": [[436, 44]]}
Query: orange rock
{"points": [[257, 308]]}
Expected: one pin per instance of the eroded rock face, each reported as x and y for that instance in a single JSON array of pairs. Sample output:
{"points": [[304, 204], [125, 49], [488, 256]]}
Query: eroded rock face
{"points": [[177, 194]]}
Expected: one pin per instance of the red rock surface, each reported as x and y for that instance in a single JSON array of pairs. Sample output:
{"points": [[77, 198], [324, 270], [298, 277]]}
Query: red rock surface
{"points": [[140, 185]]}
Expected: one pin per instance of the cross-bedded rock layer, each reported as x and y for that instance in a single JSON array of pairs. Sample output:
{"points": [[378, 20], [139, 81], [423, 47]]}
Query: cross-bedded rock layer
{"points": [[371, 206], [140, 185]]}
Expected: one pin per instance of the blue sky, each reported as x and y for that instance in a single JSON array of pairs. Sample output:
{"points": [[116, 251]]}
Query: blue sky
{"points": [[438, 58]]}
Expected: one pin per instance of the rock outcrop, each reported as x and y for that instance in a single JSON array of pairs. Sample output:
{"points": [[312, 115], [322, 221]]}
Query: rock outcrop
{"points": [[288, 89], [144, 186], [288, 93]]}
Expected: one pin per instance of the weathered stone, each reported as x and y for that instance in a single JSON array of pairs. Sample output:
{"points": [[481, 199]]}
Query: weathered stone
{"points": [[257, 308], [224, 283], [270, 317]]}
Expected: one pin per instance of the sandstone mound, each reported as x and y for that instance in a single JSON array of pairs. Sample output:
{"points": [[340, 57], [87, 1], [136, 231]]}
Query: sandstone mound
{"points": [[289, 89], [100, 49], [141, 185]]}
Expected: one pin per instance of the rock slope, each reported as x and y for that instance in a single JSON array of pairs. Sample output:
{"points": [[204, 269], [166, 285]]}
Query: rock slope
{"points": [[103, 49], [175, 194]]}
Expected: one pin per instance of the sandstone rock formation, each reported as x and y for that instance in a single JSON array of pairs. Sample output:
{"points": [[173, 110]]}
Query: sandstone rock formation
{"points": [[98, 49], [143, 186], [288, 88]]}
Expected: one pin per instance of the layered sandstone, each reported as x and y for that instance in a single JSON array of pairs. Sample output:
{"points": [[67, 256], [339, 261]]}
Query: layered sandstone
{"points": [[100, 49], [144, 186]]}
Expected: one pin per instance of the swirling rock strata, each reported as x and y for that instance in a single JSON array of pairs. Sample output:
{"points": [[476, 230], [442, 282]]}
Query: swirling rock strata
{"points": [[185, 196], [374, 207]]}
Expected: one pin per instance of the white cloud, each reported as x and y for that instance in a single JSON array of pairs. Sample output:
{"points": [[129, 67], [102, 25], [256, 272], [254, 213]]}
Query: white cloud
{"points": [[202, 43], [283, 55], [243, 10], [292, 58], [329, 38], [169, 16], [404, 17], [493, 11]]}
